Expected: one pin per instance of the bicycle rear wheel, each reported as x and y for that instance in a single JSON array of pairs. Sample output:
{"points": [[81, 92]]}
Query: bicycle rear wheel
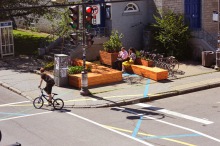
{"points": [[38, 102], [58, 104], [175, 64]]}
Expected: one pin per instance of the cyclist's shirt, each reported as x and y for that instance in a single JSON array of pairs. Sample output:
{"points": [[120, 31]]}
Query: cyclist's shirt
{"points": [[47, 78]]}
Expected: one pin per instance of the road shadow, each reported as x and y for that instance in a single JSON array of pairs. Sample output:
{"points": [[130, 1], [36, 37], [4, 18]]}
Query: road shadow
{"points": [[137, 113], [22, 63]]}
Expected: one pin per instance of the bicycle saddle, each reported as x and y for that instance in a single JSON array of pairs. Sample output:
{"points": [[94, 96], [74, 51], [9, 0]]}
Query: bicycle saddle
{"points": [[54, 94]]}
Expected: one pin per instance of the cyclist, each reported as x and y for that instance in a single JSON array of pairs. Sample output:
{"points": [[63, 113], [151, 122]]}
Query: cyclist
{"points": [[49, 84]]}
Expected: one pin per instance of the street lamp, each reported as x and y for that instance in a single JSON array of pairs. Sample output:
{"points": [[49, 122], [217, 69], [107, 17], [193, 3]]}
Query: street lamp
{"points": [[84, 81]]}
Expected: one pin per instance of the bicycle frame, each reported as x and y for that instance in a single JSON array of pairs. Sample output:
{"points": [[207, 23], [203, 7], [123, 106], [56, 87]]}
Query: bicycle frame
{"points": [[44, 95]]}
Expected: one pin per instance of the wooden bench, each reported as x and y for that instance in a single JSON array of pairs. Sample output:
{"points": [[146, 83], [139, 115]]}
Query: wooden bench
{"points": [[99, 75], [154, 73]]}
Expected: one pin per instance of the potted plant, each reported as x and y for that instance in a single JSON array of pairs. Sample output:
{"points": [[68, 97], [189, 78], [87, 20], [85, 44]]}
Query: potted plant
{"points": [[143, 59], [111, 48]]}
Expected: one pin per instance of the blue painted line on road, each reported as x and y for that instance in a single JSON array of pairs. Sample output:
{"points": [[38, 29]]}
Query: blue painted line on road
{"points": [[135, 132], [16, 114], [141, 117], [170, 136], [146, 88]]}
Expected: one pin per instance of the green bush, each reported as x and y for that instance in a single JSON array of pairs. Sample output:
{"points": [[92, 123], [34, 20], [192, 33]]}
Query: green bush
{"points": [[76, 69], [49, 66], [114, 44], [27, 42], [172, 34]]}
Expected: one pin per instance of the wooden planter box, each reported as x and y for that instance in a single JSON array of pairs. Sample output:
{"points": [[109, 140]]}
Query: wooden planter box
{"points": [[153, 73], [107, 58], [144, 62], [99, 75], [95, 79]]}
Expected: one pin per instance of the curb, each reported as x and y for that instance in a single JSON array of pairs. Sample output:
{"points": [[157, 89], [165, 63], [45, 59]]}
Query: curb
{"points": [[150, 97], [15, 90], [162, 95]]}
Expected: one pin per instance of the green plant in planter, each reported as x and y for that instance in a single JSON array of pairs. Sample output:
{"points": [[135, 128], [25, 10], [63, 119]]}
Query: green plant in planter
{"points": [[77, 69], [49, 65], [144, 55], [114, 44]]}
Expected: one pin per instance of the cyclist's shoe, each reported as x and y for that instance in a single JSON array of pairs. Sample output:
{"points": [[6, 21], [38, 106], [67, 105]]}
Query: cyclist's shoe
{"points": [[49, 103]]}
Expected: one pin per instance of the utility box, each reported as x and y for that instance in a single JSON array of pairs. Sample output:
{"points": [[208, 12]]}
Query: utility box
{"points": [[218, 58], [208, 58], [61, 69]]}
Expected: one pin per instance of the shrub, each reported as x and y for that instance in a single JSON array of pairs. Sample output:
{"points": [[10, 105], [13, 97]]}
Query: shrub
{"points": [[114, 44], [76, 69], [27, 42], [172, 33], [49, 66]]}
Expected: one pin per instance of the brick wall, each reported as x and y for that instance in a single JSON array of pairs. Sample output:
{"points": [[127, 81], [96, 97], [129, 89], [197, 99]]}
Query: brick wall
{"points": [[175, 5], [208, 6]]}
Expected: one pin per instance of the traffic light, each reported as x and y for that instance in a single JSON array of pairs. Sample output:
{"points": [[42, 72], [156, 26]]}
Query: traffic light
{"points": [[89, 39], [74, 39], [74, 16], [90, 1], [88, 17]]}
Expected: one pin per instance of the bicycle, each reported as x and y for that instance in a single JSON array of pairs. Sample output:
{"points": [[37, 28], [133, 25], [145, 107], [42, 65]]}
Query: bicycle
{"points": [[39, 101], [173, 62]]}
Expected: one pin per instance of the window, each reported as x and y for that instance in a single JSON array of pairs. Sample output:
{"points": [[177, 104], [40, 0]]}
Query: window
{"points": [[108, 12], [131, 7]]}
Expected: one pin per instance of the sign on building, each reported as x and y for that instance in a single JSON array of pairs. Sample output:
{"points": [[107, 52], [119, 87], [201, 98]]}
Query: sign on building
{"points": [[96, 15]]}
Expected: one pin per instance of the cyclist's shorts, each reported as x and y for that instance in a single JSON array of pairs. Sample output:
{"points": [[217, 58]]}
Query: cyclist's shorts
{"points": [[48, 88]]}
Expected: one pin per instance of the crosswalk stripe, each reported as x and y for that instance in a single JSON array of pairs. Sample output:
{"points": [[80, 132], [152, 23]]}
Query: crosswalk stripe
{"points": [[162, 110]]}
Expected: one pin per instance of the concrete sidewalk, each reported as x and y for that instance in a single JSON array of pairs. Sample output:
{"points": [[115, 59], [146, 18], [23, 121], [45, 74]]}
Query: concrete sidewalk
{"points": [[190, 77]]}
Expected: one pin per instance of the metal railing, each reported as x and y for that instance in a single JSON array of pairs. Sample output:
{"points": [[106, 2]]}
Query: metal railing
{"points": [[202, 34]]}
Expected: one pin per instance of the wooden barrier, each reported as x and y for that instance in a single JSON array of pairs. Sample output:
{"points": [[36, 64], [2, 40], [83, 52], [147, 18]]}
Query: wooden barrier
{"points": [[154, 73], [99, 75]]}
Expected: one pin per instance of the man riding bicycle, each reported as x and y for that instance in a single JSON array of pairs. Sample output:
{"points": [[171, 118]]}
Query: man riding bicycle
{"points": [[49, 84]]}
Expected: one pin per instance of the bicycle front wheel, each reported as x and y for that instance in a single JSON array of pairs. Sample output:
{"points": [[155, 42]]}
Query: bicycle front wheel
{"points": [[58, 104], [38, 102]]}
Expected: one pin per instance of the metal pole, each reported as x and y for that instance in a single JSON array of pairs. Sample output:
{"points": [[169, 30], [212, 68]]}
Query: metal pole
{"points": [[218, 41], [84, 82]]}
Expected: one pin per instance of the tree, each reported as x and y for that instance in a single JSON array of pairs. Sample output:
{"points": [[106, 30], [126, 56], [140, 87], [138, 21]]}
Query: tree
{"points": [[18, 12], [172, 33]]}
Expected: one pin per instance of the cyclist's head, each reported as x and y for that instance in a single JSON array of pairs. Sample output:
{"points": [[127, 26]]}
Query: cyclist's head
{"points": [[41, 69]]}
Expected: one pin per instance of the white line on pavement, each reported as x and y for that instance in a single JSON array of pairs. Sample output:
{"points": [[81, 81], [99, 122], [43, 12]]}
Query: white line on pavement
{"points": [[14, 103], [123, 134], [176, 114], [24, 116], [174, 125]]}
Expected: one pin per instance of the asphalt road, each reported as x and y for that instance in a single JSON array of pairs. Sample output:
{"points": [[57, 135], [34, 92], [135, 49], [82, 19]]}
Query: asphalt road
{"points": [[190, 119]]}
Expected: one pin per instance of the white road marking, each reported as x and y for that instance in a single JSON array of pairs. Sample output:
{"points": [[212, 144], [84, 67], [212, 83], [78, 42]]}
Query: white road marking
{"points": [[14, 103], [203, 121], [123, 134], [24, 116], [174, 125]]}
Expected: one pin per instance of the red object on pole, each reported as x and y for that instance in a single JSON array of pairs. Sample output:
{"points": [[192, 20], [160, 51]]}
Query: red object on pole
{"points": [[88, 10]]}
